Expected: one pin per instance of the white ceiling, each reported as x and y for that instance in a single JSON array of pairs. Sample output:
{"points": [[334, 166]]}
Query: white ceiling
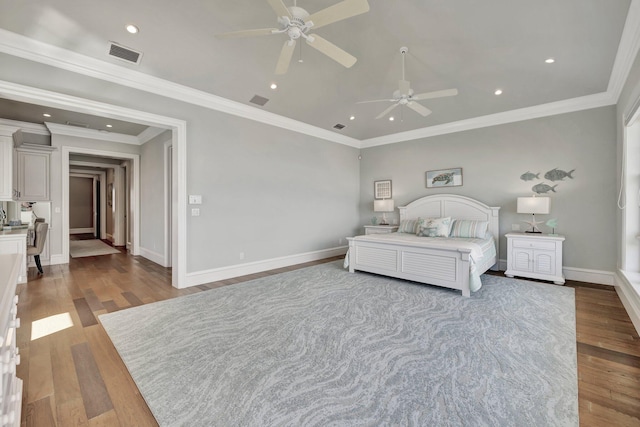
{"points": [[474, 46]]}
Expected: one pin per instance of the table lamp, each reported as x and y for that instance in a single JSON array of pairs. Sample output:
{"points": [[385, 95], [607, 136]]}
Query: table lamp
{"points": [[384, 206], [533, 205]]}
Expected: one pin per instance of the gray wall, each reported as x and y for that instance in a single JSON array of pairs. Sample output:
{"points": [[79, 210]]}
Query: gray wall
{"points": [[494, 158], [152, 184], [80, 202], [267, 192]]}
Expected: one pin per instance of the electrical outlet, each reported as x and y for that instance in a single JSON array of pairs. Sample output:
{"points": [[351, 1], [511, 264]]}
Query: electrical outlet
{"points": [[340, 241], [515, 227], [241, 255], [195, 212]]}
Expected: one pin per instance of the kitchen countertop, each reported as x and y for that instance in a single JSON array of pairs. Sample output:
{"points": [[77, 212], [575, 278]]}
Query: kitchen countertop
{"points": [[18, 232]]}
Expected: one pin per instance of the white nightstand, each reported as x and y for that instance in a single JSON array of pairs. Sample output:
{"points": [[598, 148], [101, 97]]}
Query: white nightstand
{"points": [[538, 256], [380, 229]]}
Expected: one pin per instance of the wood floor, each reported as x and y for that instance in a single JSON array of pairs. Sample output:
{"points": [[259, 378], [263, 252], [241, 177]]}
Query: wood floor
{"points": [[74, 376]]}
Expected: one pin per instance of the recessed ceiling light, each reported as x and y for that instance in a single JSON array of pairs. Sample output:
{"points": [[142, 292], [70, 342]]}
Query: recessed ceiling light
{"points": [[109, 126], [498, 92], [132, 29], [352, 118], [549, 60], [391, 119], [273, 86], [47, 115]]}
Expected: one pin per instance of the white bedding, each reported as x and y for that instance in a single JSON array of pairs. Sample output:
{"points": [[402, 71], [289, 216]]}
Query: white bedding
{"points": [[480, 250]]}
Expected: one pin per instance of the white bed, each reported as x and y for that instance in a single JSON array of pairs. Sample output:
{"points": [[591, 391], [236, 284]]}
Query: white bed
{"points": [[435, 261]]}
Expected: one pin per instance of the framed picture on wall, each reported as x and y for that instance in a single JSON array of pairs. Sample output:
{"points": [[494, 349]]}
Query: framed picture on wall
{"points": [[444, 178], [382, 189]]}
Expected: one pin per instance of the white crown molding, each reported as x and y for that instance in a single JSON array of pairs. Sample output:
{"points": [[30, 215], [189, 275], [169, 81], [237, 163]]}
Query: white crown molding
{"points": [[27, 127], [551, 109], [627, 51], [58, 129], [149, 133], [33, 50]]}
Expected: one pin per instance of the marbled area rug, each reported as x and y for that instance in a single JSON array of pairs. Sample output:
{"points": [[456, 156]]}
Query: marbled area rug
{"points": [[323, 347]]}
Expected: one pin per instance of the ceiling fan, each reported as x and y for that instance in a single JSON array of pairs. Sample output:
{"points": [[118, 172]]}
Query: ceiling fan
{"points": [[405, 96], [296, 22]]}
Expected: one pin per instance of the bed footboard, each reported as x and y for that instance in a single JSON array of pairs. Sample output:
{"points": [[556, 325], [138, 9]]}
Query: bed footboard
{"points": [[441, 267]]}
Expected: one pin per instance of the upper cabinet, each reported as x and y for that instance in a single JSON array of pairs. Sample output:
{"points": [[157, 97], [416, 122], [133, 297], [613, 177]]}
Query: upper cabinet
{"points": [[32, 173], [25, 169], [6, 162]]}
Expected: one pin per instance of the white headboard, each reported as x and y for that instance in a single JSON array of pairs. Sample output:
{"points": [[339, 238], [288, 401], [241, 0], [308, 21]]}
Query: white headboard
{"points": [[457, 207]]}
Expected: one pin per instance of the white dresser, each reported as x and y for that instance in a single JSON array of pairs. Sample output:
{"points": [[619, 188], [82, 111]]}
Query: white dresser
{"points": [[15, 242], [538, 256], [11, 398]]}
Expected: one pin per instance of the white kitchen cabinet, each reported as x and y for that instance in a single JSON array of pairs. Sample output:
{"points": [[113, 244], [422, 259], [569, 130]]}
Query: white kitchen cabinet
{"points": [[32, 173], [6, 162], [537, 256]]}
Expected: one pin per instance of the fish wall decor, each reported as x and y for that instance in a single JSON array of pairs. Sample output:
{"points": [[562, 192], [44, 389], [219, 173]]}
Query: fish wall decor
{"points": [[543, 188], [556, 174], [529, 176]]}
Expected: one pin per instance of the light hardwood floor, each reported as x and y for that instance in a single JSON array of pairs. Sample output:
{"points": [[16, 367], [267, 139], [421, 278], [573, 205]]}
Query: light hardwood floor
{"points": [[74, 377]]}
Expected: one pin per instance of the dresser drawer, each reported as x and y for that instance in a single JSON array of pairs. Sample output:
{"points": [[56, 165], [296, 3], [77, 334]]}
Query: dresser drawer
{"points": [[533, 244]]}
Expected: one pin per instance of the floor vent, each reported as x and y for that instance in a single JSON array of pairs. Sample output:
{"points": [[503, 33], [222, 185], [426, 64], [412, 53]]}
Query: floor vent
{"points": [[258, 100], [124, 53], [339, 126]]}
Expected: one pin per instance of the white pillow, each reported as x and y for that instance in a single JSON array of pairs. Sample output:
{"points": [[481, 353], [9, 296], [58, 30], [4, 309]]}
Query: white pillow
{"points": [[434, 227]]}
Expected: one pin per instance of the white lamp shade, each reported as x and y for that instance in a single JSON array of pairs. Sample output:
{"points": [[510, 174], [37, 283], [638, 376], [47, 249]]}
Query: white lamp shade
{"points": [[385, 205], [534, 205]]}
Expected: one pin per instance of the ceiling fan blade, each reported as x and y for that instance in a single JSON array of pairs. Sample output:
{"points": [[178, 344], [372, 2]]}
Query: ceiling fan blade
{"points": [[405, 87], [331, 50], [339, 11], [279, 7], [436, 94], [419, 108], [377, 100], [248, 33], [285, 56], [385, 112]]}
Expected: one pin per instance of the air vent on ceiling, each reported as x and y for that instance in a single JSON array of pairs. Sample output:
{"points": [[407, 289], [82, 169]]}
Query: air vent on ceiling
{"points": [[339, 126], [258, 100], [78, 124], [124, 53]]}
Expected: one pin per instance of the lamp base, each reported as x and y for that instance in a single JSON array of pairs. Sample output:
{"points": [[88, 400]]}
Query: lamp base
{"points": [[534, 231]]}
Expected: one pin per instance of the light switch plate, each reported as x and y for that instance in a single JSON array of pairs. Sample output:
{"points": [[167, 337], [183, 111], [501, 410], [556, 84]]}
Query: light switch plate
{"points": [[195, 212], [195, 199]]}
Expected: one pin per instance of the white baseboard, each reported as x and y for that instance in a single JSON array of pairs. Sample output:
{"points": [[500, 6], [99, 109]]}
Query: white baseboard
{"points": [[629, 292], [581, 274], [81, 230], [153, 256], [57, 259], [222, 273]]}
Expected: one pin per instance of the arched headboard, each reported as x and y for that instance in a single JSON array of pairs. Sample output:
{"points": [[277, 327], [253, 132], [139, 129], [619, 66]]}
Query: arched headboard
{"points": [[457, 207]]}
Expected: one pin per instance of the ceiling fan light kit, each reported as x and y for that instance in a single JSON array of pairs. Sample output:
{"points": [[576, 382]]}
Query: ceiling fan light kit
{"points": [[296, 23], [404, 95]]}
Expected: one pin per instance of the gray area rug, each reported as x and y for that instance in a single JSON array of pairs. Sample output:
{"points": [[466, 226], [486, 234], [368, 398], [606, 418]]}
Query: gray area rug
{"points": [[320, 346], [83, 248]]}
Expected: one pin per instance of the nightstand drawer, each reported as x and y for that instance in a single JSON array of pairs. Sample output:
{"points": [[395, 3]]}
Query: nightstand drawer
{"points": [[534, 244]]}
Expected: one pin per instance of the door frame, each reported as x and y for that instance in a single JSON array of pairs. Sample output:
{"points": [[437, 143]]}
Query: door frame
{"points": [[33, 95]]}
